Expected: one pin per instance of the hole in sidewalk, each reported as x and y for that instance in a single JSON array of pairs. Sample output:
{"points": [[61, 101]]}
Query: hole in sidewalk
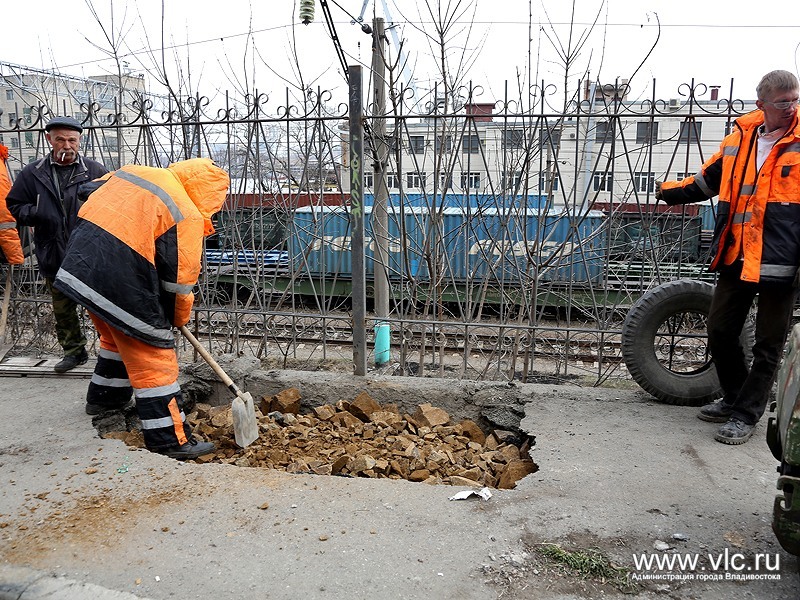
{"points": [[356, 438]]}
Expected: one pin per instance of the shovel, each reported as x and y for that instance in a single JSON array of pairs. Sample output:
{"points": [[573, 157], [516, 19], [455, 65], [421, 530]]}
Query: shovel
{"points": [[245, 426]]}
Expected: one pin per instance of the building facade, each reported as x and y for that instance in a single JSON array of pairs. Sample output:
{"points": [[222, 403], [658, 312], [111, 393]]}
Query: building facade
{"points": [[603, 150], [104, 105]]}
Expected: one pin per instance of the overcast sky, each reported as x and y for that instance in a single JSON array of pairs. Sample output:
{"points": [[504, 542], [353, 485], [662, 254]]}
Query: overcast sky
{"points": [[706, 40]]}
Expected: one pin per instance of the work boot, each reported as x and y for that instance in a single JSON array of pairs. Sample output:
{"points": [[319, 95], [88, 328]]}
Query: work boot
{"points": [[734, 432], [70, 361], [188, 451], [716, 412], [96, 409]]}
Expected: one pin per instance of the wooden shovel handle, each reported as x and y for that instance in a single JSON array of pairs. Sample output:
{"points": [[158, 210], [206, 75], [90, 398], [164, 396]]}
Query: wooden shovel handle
{"points": [[209, 359], [6, 303]]}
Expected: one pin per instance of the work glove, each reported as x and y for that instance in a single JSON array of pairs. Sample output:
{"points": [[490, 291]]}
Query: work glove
{"points": [[659, 193]]}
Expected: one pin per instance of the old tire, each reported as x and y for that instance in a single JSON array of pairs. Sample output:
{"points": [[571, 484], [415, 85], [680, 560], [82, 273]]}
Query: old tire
{"points": [[664, 343]]}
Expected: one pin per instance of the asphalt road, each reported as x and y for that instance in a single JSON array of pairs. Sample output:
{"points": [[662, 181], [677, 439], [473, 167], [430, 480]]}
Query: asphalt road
{"points": [[82, 517]]}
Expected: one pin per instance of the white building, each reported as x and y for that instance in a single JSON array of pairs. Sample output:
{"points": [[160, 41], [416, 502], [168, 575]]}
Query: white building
{"points": [[29, 97], [605, 149]]}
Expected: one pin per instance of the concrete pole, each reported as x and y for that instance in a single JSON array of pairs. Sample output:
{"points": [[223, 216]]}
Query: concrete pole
{"points": [[380, 217], [357, 221]]}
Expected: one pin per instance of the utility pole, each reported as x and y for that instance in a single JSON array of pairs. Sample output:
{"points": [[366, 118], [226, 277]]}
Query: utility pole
{"points": [[357, 220], [380, 217]]}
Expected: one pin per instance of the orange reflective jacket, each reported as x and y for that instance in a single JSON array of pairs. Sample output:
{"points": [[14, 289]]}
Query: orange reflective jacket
{"points": [[9, 236], [758, 215], [135, 254]]}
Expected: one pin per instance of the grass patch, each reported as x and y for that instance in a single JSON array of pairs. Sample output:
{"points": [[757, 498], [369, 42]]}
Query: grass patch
{"points": [[589, 564]]}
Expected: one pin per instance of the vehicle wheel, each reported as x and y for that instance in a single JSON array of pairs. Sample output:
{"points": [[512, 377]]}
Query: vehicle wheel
{"points": [[664, 343]]}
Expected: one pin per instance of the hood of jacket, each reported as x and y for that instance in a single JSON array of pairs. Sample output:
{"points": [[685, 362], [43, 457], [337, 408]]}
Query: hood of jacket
{"points": [[205, 183]]}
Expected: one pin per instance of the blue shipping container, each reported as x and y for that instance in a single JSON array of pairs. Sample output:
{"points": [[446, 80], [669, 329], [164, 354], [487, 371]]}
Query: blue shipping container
{"points": [[467, 244], [451, 200]]}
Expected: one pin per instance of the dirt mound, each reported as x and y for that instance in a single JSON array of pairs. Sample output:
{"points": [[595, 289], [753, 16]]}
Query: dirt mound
{"points": [[361, 438]]}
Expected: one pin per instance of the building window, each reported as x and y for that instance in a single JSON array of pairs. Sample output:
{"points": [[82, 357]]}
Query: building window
{"points": [[29, 139], [12, 116], [603, 182], [415, 179], [729, 127], [644, 181], [446, 147], [512, 181], [416, 144], [690, 132], [9, 94], [549, 137], [446, 181], [471, 144], [14, 142], [369, 179], [682, 175], [391, 142], [543, 181], [470, 181], [514, 139], [392, 182], [602, 131], [646, 132]]}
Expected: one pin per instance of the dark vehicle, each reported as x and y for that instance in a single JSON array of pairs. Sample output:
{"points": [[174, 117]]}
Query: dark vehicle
{"points": [[783, 438]]}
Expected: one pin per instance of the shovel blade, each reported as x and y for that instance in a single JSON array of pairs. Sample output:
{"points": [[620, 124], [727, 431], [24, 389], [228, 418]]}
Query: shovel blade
{"points": [[245, 425]]}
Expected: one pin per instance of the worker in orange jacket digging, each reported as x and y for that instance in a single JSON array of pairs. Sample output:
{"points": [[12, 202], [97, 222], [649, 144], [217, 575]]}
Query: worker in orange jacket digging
{"points": [[132, 261], [9, 236]]}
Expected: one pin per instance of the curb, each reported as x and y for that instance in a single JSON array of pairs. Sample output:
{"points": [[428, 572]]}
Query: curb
{"points": [[23, 583]]}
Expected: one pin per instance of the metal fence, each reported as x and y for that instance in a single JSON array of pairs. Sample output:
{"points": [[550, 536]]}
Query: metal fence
{"points": [[518, 234]]}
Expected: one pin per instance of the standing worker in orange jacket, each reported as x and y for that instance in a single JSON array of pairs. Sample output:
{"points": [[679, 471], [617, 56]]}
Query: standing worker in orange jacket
{"points": [[9, 236], [756, 247], [132, 261]]}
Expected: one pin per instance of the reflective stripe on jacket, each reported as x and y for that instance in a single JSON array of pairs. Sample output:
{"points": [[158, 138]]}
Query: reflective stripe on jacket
{"points": [[9, 236], [135, 255], [758, 214]]}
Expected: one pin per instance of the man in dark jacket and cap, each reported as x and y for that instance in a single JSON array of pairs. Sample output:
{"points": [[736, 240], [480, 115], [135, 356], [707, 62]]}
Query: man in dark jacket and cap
{"points": [[45, 196]]}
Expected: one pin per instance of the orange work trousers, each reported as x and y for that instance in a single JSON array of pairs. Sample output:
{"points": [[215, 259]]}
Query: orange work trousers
{"points": [[153, 375]]}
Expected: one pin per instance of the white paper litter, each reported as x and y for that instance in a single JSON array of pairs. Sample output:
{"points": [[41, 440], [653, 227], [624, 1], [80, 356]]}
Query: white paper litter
{"points": [[483, 494]]}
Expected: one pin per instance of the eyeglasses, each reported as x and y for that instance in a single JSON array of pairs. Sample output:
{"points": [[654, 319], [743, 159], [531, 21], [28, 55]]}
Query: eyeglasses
{"points": [[782, 105]]}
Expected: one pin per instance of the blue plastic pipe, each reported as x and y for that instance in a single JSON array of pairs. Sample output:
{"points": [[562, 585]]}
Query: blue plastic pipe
{"points": [[382, 343]]}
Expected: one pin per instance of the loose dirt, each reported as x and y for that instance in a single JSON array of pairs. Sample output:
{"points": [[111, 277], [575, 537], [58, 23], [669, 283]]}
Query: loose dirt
{"points": [[358, 438]]}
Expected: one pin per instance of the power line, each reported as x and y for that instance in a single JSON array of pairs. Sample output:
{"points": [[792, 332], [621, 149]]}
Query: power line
{"points": [[750, 26], [181, 45]]}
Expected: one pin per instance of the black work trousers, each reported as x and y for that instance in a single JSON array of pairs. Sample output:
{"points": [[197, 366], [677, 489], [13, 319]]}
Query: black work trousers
{"points": [[746, 390], [68, 325]]}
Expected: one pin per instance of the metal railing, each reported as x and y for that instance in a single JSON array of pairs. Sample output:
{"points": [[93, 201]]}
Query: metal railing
{"points": [[517, 239]]}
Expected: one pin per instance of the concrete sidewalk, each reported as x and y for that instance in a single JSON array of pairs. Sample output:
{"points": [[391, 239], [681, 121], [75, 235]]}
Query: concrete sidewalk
{"points": [[617, 472]]}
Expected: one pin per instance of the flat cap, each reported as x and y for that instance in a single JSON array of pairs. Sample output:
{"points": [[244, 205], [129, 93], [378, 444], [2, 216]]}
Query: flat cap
{"points": [[63, 123]]}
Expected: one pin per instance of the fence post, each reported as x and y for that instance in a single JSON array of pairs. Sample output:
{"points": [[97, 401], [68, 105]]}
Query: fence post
{"points": [[357, 221]]}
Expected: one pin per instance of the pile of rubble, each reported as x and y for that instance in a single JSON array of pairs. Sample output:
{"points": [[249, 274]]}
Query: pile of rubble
{"points": [[361, 438], [358, 438]]}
